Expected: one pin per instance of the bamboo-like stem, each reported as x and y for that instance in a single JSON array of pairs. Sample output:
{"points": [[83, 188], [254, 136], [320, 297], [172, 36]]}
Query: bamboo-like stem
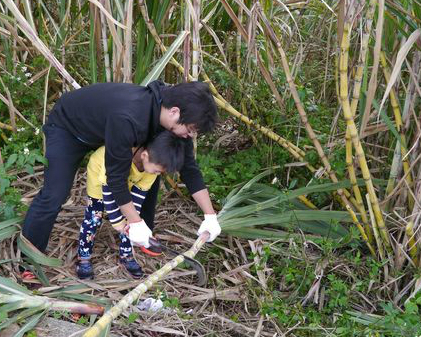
{"points": [[307, 202], [267, 132], [195, 15], [30, 301], [374, 70], [134, 295], [16, 111], [344, 194], [412, 244], [363, 55], [343, 71], [5, 126], [294, 150], [238, 44], [375, 229], [355, 188], [354, 103], [409, 229], [275, 40], [187, 47], [127, 58], [399, 127], [105, 47], [221, 102]]}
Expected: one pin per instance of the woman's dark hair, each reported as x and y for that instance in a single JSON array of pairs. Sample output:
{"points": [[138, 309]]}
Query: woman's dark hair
{"points": [[195, 102], [167, 150]]}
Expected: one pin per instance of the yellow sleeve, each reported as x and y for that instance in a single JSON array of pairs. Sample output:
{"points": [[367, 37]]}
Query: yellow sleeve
{"points": [[96, 173], [142, 180]]}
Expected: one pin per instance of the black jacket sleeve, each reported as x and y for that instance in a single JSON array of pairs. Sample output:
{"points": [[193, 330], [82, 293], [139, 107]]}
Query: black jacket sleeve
{"points": [[120, 137], [190, 173]]}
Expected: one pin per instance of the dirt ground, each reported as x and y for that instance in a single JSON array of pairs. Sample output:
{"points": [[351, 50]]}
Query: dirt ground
{"points": [[222, 307]]}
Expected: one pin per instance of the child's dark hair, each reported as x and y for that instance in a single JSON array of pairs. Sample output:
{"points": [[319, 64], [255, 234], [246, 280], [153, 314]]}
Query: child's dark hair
{"points": [[195, 102], [167, 150]]}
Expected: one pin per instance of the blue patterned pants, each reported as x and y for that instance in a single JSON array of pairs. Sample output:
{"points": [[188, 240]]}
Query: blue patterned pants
{"points": [[93, 220]]}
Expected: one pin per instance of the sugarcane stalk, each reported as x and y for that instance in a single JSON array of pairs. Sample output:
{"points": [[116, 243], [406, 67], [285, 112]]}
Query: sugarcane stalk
{"points": [[238, 44], [44, 302], [220, 101], [375, 228], [105, 47], [412, 244], [127, 58], [355, 188], [354, 103], [343, 73], [363, 55], [294, 150], [195, 15], [402, 142], [331, 173], [134, 295]]}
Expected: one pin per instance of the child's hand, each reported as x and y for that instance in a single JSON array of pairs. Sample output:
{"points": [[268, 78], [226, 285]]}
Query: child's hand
{"points": [[139, 233]]}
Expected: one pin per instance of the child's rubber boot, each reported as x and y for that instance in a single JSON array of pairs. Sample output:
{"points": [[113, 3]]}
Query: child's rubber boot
{"points": [[132, 267], [85, 270]]}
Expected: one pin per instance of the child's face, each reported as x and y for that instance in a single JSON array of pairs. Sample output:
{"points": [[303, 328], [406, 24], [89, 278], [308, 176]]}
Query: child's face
{"points": [[148, 166]]}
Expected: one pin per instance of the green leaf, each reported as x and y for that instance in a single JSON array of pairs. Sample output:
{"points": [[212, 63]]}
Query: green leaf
{"points": [[160, 66], [10, 222], [8, 232], [11, 160], [30, 324], [9, 286], [29, 169], [4, 183], [33, 253]]}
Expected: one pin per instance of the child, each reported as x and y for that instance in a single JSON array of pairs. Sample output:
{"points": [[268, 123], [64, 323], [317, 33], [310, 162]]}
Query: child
{"points": [[164, 154]]}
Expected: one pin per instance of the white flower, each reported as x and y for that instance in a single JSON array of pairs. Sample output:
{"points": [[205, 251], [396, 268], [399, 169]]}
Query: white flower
{"points": [[24, 68], [9, 139], [25, 150], [36, 132], [18, 78], [28, 75], [20, 129]]}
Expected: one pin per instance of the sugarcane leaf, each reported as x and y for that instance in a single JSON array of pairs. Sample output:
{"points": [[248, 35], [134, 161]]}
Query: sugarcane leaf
{"points": [[255, 233], [18, 304], [403, 52], [9, 286], [21, 315], [8, 260], [387, 121], [10, 222], [8, 232], [160, 66], [39, 272], [86, 298], [30, 324], [34, 254]]}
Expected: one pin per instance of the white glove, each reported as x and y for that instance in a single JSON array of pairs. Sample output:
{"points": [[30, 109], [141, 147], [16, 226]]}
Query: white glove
{"points": [[139, 233], [211, 225]]}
